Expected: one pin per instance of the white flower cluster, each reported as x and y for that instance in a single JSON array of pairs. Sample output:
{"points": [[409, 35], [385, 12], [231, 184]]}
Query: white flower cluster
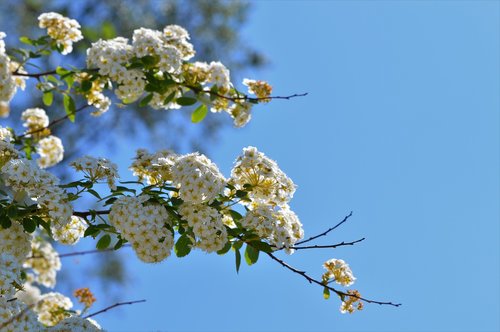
{"points": [[63, 30], [52, 308], [148, 166], [339, 271], [9, 82], [9, 274], [198, 178], [51, 151], [267, 183], [76, 324], [97, 169], [71, 232], [207, 225], [34, 119], [261, 89], [14, 321], [15, 242], [143, 225], [281, 227], [23, 175], [44, 262]]}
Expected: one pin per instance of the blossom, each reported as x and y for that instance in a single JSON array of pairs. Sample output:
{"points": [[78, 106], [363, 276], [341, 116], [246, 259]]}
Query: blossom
{"points": [[51, 151], [219, 76], [76, 323], [71, 232], [265, 181], [198, 178], [52, 308], [35, 119], [10, 270], [10, 311], [155, 168], [15, 242], [63, 30], [339, 271], [350, 303], [261, 89], [44, 262], [97, 169]]}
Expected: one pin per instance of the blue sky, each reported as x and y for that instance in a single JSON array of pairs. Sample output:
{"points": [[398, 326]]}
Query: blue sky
{"points": [[401, 126]]}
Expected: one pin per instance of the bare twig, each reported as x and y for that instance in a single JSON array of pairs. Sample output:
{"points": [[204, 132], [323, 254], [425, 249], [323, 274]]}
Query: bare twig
{"points": [[111, 307], [311, 280], [330, 245], [327, 231], [53, 123], [89, 213]]}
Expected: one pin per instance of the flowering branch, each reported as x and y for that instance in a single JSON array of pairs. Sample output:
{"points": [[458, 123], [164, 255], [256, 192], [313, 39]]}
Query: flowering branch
{"points": [[327, 231], [113, 306], [312, 280]]}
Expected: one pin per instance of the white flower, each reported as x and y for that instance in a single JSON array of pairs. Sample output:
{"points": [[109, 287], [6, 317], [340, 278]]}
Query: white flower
{"points": [[51, 151], [63, 30]]}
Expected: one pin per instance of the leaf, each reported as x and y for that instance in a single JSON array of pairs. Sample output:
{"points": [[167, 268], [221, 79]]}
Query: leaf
{"points": [[91, 231], [12, 211], [5, 221], [182, 246], [103, 242], [108, 30], [93, 192], [186, 101], [238, 260], [86, 85], [251, 255], [224, 250], [262, 246], [169, 98], [146, 100], [235, 215], [29, 225], [326, 293], [199, 113], [241, 193], [69, 107], [26, 40], [62, 71], [47, 98]]}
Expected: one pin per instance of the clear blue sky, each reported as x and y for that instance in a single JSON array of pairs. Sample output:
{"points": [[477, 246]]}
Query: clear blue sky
{"points": [[401, 126]]}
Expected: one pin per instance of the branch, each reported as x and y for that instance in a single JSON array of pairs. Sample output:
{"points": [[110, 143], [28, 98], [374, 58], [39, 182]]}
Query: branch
{"points": [[112, 306], [35, 75], [311, 280], [327, 231], [330, 245], [89, 213], [54, 122]]}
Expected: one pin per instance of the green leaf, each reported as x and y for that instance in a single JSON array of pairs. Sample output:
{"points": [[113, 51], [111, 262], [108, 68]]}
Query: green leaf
{"points": [[169, 98], [262, 246], [235, 215], [5, 221], [44, 224], [238, 260], [12, 211], [103, 242], [29, 225], [199, 113], [241, 193], [86, 85], [186, 101], [93, 192], [91, 231], [251, 255], [224, 250], [62, 71], [26, 40], [182, 246], [47, 99], [69, 107], [146, 100], [108, 30], [119, 244], [326, 293], [237, 245]]}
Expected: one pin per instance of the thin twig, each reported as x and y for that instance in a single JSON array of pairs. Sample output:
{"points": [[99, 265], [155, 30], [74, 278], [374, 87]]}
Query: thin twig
{"points": [[111, 307], [56, 121], [89, 213], [312, 280], [327, 231], [329, 246]]}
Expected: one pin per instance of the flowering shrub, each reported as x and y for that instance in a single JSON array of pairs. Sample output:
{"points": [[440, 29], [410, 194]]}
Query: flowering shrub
{"points": [[178, 203]]}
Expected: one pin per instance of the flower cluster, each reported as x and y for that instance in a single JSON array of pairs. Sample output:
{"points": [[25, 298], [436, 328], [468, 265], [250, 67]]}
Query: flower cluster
{"points": [[8, 81], [351, 302], [198, 178], [97, 169], [155, 168], [9, 273], [63, 30], [339, 271], [51, 151], [16, 317], [52, 308], [85, 296], [44, 262], [143, 224], [76, 323], [261, 89], [71, 232]]}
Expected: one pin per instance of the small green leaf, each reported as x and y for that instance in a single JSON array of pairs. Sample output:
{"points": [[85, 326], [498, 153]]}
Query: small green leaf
{"points": [[93, 192], [238, 260], [26, 40], [146, 100], [12, 211], [224, 250], [186, 101], [5, 221], [241, 193], [199, 113], [61, 71], [262, 246], [251, 255], [235, 215], [182, 246], [69, 107], [103, 242], [29, 225], [86, 85], [326, 293], [108, 30], [119, 244], [169, 98], [91, 231], [47, 99]]}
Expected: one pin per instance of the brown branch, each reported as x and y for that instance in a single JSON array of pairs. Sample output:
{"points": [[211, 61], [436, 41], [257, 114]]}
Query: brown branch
{"points": [[327, 231], [311, 280], [111, 307], [89, 213], [330, 245], [34, 75], [53, 123]]}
